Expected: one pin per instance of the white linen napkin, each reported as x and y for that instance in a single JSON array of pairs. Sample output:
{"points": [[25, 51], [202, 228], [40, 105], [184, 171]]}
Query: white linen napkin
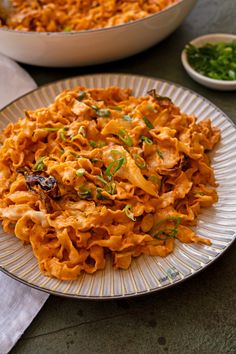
{"points": [[19, 304]]}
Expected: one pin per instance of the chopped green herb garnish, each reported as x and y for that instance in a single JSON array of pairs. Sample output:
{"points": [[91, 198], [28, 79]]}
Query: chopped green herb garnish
{"points": [[199, 193], [148, 123], [51, 129], [114, 166], [100, 178], [99, 195], [93, 143], [39, 165], [74, 154], [101, 144], [67, 29], [116, 153], [151, 108], [214, 60], [123, 135], [127, 117], [81, 132], [160, 154], [62, 136], [139, 161], [115, 108], [80, 172], [154, 179], [129, 213], [84, 192], [146, 140], [94, 160], [103, 113], [111, 188], [168, 232], [81, 95]]}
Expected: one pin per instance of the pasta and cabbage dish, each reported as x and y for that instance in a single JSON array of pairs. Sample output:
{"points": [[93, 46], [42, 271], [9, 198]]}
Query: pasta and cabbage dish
{"points": [[101, 173], [77, 15]]}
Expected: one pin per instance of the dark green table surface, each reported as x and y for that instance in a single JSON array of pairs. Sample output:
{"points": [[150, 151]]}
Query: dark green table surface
{"points": [[196, 316]]}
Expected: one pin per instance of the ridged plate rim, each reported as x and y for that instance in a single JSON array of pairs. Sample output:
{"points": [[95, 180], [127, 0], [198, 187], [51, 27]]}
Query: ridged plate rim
{"points": [[130, 77]]}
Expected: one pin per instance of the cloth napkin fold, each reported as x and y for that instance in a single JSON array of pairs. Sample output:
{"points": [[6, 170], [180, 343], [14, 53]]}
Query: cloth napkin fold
{"points": [[19, 304]]}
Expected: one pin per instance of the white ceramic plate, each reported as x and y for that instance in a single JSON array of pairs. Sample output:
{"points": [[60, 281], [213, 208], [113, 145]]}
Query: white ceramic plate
{"points": [[146, 274]]}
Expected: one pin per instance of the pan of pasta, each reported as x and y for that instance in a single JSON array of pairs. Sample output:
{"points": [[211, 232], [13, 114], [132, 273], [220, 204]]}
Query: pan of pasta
{"points": [[72, 32], [114, 185]]}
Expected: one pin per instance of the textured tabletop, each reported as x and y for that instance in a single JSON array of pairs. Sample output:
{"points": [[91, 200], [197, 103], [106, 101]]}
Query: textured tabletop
{"points": [[196, 316]]}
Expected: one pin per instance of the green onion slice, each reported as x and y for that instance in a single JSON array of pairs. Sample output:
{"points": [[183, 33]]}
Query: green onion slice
{"points": [[127, 118], [81, 95], [100, 178], [39, 165], [140, 162], [114, 166], [93, 143], [166, 233], [67, 29], [199, 193], [51, 129], [111, 188], [123, 135], [115, 108], [127, 209], [101, 144], [160, 154], [103, 113], [99, 194], [146, 140], [74, 154], [84, 192], [80, 172], [62, 136], [154, 179], [148, 123], [82, 131]]}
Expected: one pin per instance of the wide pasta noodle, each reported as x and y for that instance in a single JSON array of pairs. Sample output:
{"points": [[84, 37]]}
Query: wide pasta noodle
{"points": [[102, 172], [77, 15]]}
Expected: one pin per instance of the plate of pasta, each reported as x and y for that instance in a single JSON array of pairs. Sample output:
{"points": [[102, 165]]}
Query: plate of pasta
{"points": [[114, 185]]}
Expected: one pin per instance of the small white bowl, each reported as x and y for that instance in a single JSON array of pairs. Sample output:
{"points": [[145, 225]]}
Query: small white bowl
{"points": [[224, 85]]}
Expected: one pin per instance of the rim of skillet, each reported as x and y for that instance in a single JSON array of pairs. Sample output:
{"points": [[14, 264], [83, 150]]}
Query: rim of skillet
{"points": [[97, 30]]}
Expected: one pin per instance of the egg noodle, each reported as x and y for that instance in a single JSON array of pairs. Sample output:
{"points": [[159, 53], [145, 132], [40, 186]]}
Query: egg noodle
{"points": [[76, 15], [100, 171]]}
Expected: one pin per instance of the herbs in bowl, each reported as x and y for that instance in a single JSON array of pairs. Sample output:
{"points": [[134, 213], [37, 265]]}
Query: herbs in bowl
{"points": [[217, 61], [211, 61]]}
